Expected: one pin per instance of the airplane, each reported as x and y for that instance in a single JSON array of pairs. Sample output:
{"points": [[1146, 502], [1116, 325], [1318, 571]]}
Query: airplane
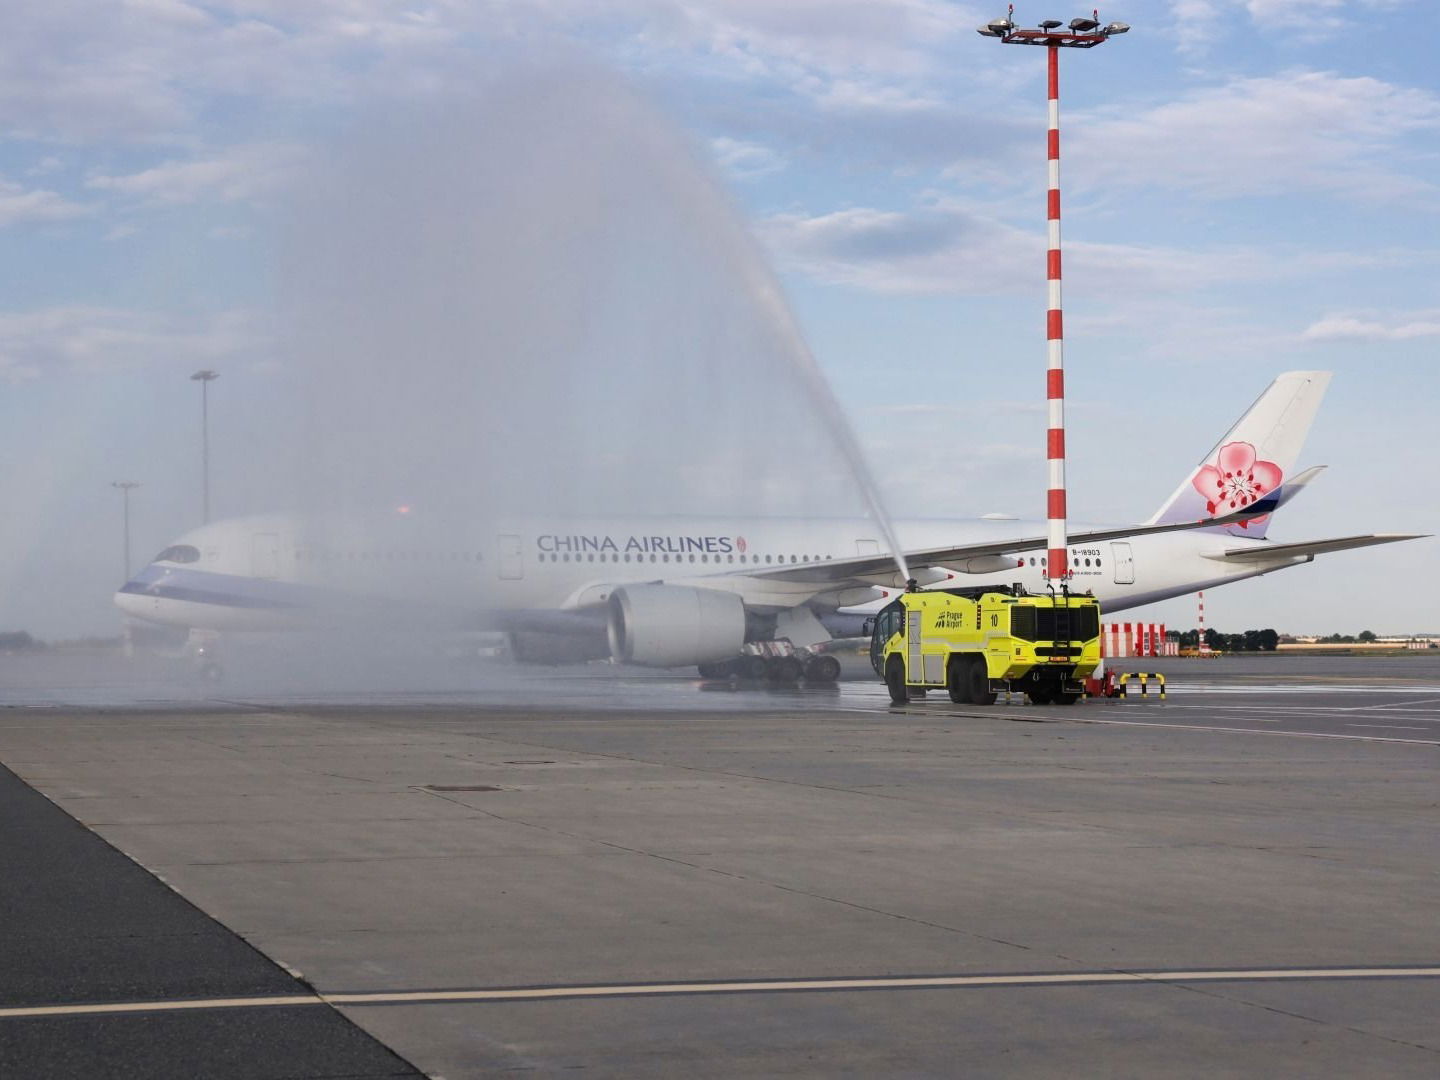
{"points": [[755, 597]]}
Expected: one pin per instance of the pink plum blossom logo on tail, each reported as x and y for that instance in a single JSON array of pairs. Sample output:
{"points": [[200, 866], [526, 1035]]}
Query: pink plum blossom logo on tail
{"points": [[1236, 480]]}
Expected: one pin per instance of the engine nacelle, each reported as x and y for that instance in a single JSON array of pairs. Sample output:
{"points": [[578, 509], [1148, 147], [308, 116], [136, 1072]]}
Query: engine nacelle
{"points": [[671, 625]]}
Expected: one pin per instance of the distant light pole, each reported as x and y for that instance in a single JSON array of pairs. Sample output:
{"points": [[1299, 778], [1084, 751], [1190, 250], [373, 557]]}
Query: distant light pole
{"points": [[126, 486], [205, 377], [1082, 34]]}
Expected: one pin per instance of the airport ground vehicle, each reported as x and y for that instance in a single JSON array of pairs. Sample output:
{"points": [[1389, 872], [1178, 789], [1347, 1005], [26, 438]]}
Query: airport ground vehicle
{"points": [[976, 641]]}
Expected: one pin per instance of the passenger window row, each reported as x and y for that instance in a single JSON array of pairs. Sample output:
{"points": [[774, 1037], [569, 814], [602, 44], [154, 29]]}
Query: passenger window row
{"points": [[327, 555], [704, 558]]}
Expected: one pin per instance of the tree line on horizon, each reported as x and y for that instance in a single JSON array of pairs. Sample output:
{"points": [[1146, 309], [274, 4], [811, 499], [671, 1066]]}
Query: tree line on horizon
{"points": [[1266, 640]]}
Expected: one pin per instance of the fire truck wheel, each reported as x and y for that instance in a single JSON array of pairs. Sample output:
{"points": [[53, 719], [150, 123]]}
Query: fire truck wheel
{"points": [[980, 692], [958, 680], [1064, 697], [1040, 695], [895, 681]]}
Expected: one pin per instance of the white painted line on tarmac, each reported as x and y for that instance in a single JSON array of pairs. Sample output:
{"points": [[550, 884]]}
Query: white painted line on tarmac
{"points": [[1258, 731], [157, 1006], [1306, 710], [767, 986]]}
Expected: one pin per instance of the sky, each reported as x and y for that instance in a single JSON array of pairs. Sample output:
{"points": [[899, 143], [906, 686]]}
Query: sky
{"points": [[1248, 189]]}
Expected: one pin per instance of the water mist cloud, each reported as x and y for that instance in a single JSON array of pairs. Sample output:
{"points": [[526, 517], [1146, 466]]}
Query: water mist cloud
{"points": [[536, 300]]}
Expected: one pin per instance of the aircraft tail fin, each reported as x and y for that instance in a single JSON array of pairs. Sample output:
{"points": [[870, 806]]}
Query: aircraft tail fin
{"points": [[1251, 464]]}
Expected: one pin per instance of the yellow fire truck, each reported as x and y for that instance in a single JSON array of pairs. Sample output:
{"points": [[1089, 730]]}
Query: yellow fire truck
{"points": [[976, 641]]}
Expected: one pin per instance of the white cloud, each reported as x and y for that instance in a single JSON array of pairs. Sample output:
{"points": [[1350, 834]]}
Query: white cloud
{"points": [[819, 36], [34, 343], [947, 249], [1200, 24], [745, 160], [18, 206], [1275, 135], [931, 251], [1197, 23], [1354, 328], [239, 174], [143, 70]]}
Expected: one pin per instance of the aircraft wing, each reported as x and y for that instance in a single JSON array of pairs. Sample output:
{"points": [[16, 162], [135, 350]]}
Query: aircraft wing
{"points": [[1268, 552], [871, 569]]}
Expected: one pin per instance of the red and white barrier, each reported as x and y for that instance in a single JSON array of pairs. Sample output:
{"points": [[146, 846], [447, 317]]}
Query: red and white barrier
{"points": [[1136, 639]]}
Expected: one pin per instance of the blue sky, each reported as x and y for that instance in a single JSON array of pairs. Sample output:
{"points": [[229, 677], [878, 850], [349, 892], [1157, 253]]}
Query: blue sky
{"points": [[1249, 188]]}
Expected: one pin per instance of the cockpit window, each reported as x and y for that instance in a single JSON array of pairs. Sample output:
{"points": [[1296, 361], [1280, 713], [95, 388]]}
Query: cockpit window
{"points": [[179, 553]]}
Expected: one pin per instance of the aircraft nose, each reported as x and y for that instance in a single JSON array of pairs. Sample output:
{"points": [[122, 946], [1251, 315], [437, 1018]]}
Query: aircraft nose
{"points": [[136, 597], [130, 602]]}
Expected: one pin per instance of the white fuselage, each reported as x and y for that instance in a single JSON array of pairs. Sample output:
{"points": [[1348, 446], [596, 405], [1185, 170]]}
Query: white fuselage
{"points": [[275, 572]]}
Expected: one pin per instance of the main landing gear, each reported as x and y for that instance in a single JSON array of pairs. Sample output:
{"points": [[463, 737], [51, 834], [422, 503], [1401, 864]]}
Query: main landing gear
{"points": [[817, 669]]}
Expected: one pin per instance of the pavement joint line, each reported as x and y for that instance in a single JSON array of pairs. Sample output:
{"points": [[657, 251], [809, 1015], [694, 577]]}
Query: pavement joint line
{"points": [[1258, 731], [762, 986], [1308, 710]]}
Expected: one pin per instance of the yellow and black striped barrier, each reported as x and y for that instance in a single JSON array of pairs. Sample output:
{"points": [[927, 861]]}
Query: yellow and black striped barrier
{"points": [[1144, 677]]}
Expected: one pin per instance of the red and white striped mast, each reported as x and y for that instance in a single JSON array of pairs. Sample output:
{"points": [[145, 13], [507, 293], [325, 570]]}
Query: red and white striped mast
{"points": [[1082, 34]]}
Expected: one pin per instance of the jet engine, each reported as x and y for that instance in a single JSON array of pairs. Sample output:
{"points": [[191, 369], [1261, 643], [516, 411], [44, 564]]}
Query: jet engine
{"points": [[672, 625]]}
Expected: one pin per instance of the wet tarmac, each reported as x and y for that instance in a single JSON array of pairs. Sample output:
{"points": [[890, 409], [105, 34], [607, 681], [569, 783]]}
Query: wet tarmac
{"points": [[548, 870]]}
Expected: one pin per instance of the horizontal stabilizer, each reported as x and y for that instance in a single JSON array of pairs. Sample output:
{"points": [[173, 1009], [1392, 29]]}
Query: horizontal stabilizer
{"points": [[1296, 484], [1270, 552]]}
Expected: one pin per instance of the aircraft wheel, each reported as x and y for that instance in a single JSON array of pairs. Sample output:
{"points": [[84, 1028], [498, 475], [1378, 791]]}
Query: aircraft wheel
{"points": [[751, 668], [980, 692], [822, 669], [783, 670], [211, 672], [720, 669], [957, 680], [895, 681]]}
